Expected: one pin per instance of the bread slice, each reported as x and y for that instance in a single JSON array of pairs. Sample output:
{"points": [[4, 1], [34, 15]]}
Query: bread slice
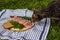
{"points": [[7, 25]]}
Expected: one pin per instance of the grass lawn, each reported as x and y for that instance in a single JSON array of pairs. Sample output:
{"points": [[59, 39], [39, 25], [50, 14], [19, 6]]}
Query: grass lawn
{"points": [[54, 32]]}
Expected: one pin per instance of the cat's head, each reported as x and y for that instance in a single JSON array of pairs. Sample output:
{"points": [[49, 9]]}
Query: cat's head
{"points": [[38, 15]]}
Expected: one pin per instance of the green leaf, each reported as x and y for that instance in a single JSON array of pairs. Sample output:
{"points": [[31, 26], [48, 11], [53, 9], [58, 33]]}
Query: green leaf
{"points": [[16, 24]]}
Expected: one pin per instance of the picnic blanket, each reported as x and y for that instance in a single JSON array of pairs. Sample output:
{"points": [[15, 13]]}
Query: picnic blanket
{"points": [[38, 32]]}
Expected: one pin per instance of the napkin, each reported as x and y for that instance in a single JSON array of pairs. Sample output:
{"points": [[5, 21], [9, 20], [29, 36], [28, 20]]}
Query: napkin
{"points": [[38, 32]]}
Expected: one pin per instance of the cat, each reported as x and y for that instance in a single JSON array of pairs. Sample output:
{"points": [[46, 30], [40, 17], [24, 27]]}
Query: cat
{"points": [[52, 11]]}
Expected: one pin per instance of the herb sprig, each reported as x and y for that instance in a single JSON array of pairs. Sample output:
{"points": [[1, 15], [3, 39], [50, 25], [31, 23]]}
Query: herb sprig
{"points": [[25, 17], [16, 24]]}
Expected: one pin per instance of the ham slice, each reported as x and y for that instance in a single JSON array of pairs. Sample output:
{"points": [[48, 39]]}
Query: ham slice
{"points": [[26, 23]]}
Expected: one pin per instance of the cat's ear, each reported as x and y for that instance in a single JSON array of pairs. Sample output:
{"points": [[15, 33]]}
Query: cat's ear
{"points": [[35, 10]]}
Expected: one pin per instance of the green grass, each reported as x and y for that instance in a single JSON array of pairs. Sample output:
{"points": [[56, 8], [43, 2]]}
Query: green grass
{"points": [[30, 4], [54, 32]]}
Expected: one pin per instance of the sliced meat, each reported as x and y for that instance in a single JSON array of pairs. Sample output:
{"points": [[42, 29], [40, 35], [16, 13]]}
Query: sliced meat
{"points": [[26, 23]]}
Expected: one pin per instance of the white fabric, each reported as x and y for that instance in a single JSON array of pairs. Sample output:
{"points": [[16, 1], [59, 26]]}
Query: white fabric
{"points": [[31, 34]]}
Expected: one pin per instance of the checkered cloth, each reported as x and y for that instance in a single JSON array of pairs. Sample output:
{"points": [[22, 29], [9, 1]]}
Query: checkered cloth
{"points": [[38, 32]]}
